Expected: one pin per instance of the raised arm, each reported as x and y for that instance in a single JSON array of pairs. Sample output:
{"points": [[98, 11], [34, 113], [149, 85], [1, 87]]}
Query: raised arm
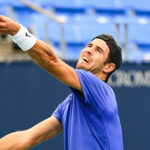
{"points": [[22, 140], [44, 56]]}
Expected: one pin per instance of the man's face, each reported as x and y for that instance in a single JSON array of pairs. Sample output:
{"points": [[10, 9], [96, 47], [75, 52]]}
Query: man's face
{"points": [[94, 56]]}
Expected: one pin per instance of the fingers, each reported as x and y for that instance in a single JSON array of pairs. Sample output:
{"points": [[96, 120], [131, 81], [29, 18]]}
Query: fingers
{"points": [[8, 26], [4, 31], [2, 22], [2, 18], [2, 25]]}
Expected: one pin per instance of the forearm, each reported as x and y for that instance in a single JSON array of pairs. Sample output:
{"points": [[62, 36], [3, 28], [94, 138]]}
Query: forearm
{"points": [[23, 140], [14, 141], [43, 55]]}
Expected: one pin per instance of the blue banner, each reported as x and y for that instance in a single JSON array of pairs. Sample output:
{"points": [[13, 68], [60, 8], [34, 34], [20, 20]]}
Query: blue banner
{"points": [[28, 95]]}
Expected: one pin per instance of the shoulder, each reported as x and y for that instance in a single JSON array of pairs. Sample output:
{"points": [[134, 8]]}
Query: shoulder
{"points": [[90, 77], [59, 111], [86, 75], [66, 101], [93, 84]]}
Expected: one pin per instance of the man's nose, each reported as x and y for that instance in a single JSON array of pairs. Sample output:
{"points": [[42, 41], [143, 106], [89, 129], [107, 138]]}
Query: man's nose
{"points": [[90, 50]]}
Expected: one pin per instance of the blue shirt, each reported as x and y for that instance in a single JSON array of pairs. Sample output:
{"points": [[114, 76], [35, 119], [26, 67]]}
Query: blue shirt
{"points": [[90, 122]]}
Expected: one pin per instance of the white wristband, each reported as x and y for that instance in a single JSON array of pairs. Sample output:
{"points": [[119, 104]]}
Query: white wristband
{"points": [[24, 39]]}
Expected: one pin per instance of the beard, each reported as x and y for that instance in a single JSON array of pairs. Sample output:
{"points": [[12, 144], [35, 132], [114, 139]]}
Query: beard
{"points": [[83, 67]]}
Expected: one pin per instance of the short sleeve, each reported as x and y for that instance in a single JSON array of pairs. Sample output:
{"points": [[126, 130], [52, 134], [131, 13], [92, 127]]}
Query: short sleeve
{"points": [[96, 92], [58, 113]]}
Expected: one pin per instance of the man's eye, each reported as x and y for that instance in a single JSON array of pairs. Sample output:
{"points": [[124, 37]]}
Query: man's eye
{"points": [[99, 50], [89, 45]]}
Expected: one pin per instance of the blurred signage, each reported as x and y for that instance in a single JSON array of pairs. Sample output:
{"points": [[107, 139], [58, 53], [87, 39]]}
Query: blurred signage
{"points": [[130, 78]]}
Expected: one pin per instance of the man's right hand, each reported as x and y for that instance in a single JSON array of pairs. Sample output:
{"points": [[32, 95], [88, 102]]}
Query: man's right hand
{"points": [[8, 26]]}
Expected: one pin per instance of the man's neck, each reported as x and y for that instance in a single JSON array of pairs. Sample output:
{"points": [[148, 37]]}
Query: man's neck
{"points": [[101, 76]]}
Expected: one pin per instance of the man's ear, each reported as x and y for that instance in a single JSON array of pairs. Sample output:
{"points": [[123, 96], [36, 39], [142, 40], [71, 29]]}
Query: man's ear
{"points": [[109, 67]]}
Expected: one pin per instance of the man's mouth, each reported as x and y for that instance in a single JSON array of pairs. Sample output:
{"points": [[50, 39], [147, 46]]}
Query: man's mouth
{"points": [[85, 59]]}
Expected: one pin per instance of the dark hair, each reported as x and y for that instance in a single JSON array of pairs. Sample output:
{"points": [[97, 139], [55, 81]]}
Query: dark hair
{"points": [[115, 55]]}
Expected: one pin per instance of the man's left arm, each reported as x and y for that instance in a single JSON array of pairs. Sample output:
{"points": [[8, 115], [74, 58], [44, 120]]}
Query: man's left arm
{"points": [[22, 140], [44, 56]]}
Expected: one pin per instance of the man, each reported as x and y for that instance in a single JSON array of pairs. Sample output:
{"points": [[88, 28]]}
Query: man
{"points": [[89, 115]]}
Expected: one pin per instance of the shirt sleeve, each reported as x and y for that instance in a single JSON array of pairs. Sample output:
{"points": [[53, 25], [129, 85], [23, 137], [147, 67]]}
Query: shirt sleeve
{"points": [[96, 92], [58, 113]]}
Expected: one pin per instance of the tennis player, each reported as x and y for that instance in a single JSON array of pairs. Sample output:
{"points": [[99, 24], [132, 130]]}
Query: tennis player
{"points": [[89, 115]]}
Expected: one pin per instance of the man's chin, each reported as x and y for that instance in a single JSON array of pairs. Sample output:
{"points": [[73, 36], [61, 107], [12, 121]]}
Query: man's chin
{"points": [[81, 67]]}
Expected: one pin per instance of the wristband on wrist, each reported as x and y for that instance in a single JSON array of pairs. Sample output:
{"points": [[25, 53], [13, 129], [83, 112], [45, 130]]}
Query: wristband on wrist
{"points": [[24, 39]]}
